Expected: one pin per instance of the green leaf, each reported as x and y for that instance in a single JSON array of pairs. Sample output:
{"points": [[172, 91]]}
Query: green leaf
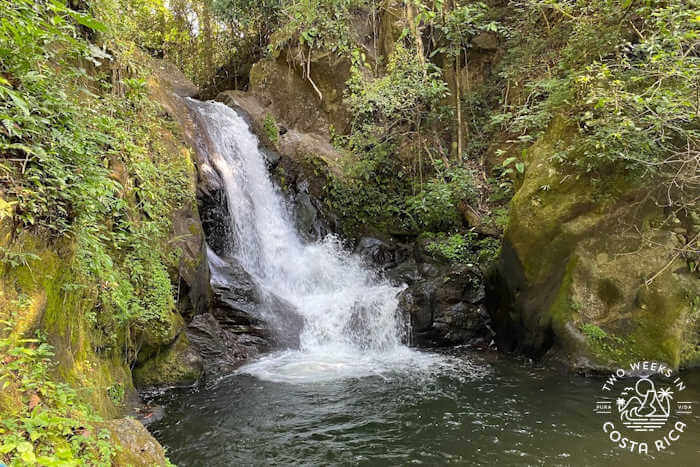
{"points": [[7, 447], [508, 161], [19, 102], [90, 22]]}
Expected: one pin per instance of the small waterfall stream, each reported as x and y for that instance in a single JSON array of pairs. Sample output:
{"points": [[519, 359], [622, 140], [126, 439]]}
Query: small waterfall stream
{"points": [[351, 326]]}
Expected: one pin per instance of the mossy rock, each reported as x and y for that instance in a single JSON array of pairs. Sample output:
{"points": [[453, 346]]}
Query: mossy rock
{"points": [[177, 365], [292, 98], [136, 446], [39, 294], [578, 254]]}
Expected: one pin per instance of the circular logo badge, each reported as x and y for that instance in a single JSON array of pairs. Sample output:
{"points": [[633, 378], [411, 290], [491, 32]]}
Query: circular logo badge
{"points": [[643, 407]]}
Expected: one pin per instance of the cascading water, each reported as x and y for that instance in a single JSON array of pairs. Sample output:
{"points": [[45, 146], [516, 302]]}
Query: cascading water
{"points": [[373, 401], [351, 324]]}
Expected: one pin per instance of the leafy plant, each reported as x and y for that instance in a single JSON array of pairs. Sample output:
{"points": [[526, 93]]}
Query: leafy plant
{"points": [[270, 129], [51, 427], [454, 248], [623, 72]]}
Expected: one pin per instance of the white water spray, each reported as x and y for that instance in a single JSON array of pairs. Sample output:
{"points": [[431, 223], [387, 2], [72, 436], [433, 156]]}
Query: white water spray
{"points": [[351, 324]]}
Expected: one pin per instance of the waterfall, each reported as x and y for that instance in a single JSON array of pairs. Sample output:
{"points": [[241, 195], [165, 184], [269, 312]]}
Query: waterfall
{"points": [[351, 326]]}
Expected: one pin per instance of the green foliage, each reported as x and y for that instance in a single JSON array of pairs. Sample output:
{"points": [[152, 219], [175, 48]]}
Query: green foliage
{"points": [[608, 346], [594, 332], [625, 73], [50, 426], [116, 394], [270, 128], [316, 24], [16, 258], [260, 16], [68, 150], [89, 164], [466, 247], [434, 208], [459, 25], [183, 32], [454, 248], [400, 97]]}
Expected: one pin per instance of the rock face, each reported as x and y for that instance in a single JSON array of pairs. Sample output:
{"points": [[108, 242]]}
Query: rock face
{"points": [[170, 360], [293, 98], [448, 309], [444, 302], [589, 281]]}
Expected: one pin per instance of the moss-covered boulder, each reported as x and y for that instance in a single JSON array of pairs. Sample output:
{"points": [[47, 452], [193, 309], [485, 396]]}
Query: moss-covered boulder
{"points": [[590, 273], [176, 365], [136, 445]]}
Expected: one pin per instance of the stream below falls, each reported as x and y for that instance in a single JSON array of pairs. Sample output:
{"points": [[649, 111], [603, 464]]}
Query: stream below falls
{"points": [[346, 389]]}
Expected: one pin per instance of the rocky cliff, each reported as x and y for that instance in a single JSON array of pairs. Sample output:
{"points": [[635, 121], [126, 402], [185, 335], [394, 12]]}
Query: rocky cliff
{"points": [[593, 275]]}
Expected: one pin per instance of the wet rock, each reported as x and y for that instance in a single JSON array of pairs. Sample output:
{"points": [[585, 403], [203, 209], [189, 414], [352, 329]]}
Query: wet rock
{"points": [[417, 303], [379, 253], [404, 273], [234, 291], [272, 157], [240, 305], [216, 220], [429, 270], [244, 320], [288, 323], [138, 446], [308, 219], [222, 350], [177, 365], [461, 283], [447, 309]]}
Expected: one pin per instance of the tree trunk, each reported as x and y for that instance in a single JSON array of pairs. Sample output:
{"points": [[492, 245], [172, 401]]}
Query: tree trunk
{"points": [[458, 105], [208, 40], [416, 31]]}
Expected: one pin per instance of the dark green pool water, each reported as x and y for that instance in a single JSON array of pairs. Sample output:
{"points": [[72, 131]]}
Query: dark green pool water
{"points": [[475, 409]]}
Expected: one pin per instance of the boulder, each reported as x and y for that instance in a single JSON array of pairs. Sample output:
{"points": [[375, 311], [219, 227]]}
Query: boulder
{"points": [[589, 274], [138, 446], [292, 97], [222, 350], [448, 309], [381, 254], [177, 365]]}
